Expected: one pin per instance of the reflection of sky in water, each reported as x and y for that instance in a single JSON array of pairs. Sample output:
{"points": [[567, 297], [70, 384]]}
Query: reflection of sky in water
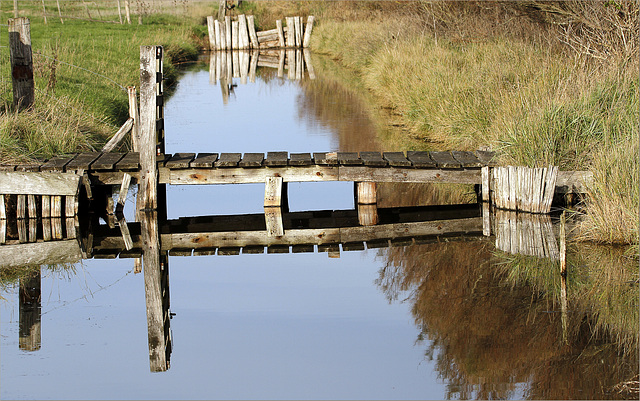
{"points": [[249, 326]]}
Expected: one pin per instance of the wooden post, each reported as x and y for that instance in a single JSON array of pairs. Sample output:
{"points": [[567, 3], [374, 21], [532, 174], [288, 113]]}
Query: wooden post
{"points": [[223, 36], [133, 114], [485, 183], [21, 62], [122, 195], [281, 41], [218, 34], [297, 23], [291, 32], [486, 219], [44, 12], [222, 9], [273, 192], [59, 11], [119, 12], [244, 31], [227, 32], [252, 32], [126, 11], [3, 210], [30, 313], [212, 32], [273, 221], [367, 215], [307, 32], [147, 129], [235, 33]]}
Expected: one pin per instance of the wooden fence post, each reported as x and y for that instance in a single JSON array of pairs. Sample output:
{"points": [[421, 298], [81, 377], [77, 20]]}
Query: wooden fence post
{"points": [[147, 129], [307, 31], [44, 12], [21, 62], [127, 12], [59, 12]]}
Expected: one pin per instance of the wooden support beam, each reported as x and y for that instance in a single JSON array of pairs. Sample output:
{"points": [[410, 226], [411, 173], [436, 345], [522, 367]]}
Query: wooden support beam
{"points": [[21, 207], [122, 195], [366, 193], [21, 60], [367, 214], [119, 135], [38, 183]]}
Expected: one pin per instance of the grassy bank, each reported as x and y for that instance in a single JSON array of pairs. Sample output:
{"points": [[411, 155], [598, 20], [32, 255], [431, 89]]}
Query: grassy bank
{"points": [[81, 71], [540, 82]]}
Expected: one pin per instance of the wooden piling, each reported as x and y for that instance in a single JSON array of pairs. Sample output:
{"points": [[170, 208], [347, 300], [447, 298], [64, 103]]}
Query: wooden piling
{"points": [[297, 23], [280, 32], [291, 32], [3, 210], [21, 62], [243, 31], [217, 34], [148, 168], [252, 32], [307, 32], [235, 35], [212, 33], [134, 115], [227, 32], [273, 192], [273, 221], [127, 11]]}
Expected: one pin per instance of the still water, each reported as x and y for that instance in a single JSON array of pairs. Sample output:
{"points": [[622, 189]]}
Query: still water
{"points": [[451, 318]]}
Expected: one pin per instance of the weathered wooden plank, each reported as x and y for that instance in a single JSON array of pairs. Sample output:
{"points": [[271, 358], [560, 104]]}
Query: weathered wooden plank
{"points": [[180, 160], [396, 230], [278, 249], [273, 221], [56, 228], [82, 161], [307, 32], [243, 176], [251, 160], [300, 159], [353, 246], [327, 159], [228, 160], [147, 128], [396, 159], [28, 167], [276, 159], [368, 214], [204, 160], [229, 251], [122, 195], [40, 253], [107, 161], [487, 158], [39, 183], [349, 159], [445, 160], [253, 250], [361, 173], [3, 231], [466, 159], [268, 32], [302, 248], [130, 161], [366, 193], [180, 252], [373, 159], [3, 210], [56, 163]]}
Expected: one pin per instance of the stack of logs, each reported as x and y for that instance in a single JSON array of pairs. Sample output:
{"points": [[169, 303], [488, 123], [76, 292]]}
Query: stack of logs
{"points": [[241, 34]]}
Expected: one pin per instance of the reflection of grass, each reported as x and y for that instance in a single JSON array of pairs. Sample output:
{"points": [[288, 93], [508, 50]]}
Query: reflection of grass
{"points": [[11, 277]]}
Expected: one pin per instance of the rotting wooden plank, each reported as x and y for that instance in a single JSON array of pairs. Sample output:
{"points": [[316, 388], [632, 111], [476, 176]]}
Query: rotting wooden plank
{"points": [[300, 159], [32, 206], [396, 159], [466, 159], [28, 167], [445, 160], [397, 174], [22, 231], [228, 251], [349, 159], [82, 161], [204, 160], [56, 228], [56, 164], [228, 160], [353, 246], [278, 249], [327, 159], [373, 159], [180, 160], [40, 253], [251, 160], [21, 207], [107, 161], [276, 159], [130, 161], [244, 176], [39, 183], [487, 158], [253, 250], [302, 248]]}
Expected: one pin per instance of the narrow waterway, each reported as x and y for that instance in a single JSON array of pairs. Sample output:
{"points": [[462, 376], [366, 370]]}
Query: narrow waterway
{"points": [[439, 318]]}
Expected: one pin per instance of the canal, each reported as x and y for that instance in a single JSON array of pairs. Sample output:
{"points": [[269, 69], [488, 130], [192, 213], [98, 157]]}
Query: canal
{"points": [[433, 318]]}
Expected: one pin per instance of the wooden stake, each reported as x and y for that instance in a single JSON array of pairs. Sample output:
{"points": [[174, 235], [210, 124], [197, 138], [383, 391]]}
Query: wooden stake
{"points": [[281, 42], [252, 32], [133, 114], [563, 245], [212, 33], [243, 31], [126, 11], [307, 32], [21, 62], [21, 207], [44, 12], [148, 168], [291, 33]]}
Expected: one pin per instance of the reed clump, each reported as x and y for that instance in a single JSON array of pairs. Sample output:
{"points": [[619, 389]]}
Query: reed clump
{"points": [[539, 82]]}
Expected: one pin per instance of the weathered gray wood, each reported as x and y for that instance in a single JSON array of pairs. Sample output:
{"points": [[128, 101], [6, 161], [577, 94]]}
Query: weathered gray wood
{"points": [[82, 161], [70, 206], [204, 160], [353, 246], [147, 130], [217, 35], [212, 32], [228, 160], [56, 228], [266, 33], [39, 183], [307, 61], [300, 159], [243, 31], [253, 250], [396, 174], [130, 161], [330, 158], [126, 235], [307, 32], [180, 160], [34, 166], [280, 32], [251, 160], [57, 163], [21, 207], [242, 175], [373, 159], [56, 206], [486, 219], [273, 192], [302, 248], [290, 40], [32, 206], [3, 210], [40, 253], [366, 193], [46, 206], [21, 60], [396, 159], [349, 158], [281, 59], [118, 136], [108, 161], [122, 195], [71, 224], [278, 249], [368, 214], [3, 231], [276, 159], [467, 159], [22, 231], [445, 160], [228, 32], [273, 221], [253, 65], [486, 179], [252, 31], [297, 23], [486, 158]]}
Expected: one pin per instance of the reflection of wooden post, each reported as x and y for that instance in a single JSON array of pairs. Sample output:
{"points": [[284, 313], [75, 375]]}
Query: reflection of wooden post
{"points": [[563, 246], [307, 61], [30, 333], [366, 201], [21, 62], [273, 221], [563, 306], [157, 317]]}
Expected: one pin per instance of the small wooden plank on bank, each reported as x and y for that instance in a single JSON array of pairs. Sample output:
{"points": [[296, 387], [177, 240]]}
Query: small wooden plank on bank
{"points": [[445, 160], [275, 159], [421, 159], [107, 161], [396, 159], [180, 160], [466, 159], [251, 160], [300, 159], [228, 160], [57, 163], [204, 160], [349, 158], [487, 158], [373, 159]]}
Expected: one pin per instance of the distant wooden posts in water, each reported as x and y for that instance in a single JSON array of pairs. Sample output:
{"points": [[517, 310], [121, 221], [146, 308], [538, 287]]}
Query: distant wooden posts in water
{"points": [[241, 34]]}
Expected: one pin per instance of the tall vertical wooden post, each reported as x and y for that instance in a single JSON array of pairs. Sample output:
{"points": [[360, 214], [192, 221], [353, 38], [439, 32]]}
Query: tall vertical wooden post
{"points": [[127, 11], [21, 62], [147, 129]]}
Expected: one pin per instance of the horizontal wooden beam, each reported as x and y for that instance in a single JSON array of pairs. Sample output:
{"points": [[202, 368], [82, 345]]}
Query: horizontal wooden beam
{"points": [[38, 183], [39, 253]]}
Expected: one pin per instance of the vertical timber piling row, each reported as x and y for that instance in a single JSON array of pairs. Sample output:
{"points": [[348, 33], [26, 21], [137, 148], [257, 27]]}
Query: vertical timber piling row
{"points": [[21, 62]]}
